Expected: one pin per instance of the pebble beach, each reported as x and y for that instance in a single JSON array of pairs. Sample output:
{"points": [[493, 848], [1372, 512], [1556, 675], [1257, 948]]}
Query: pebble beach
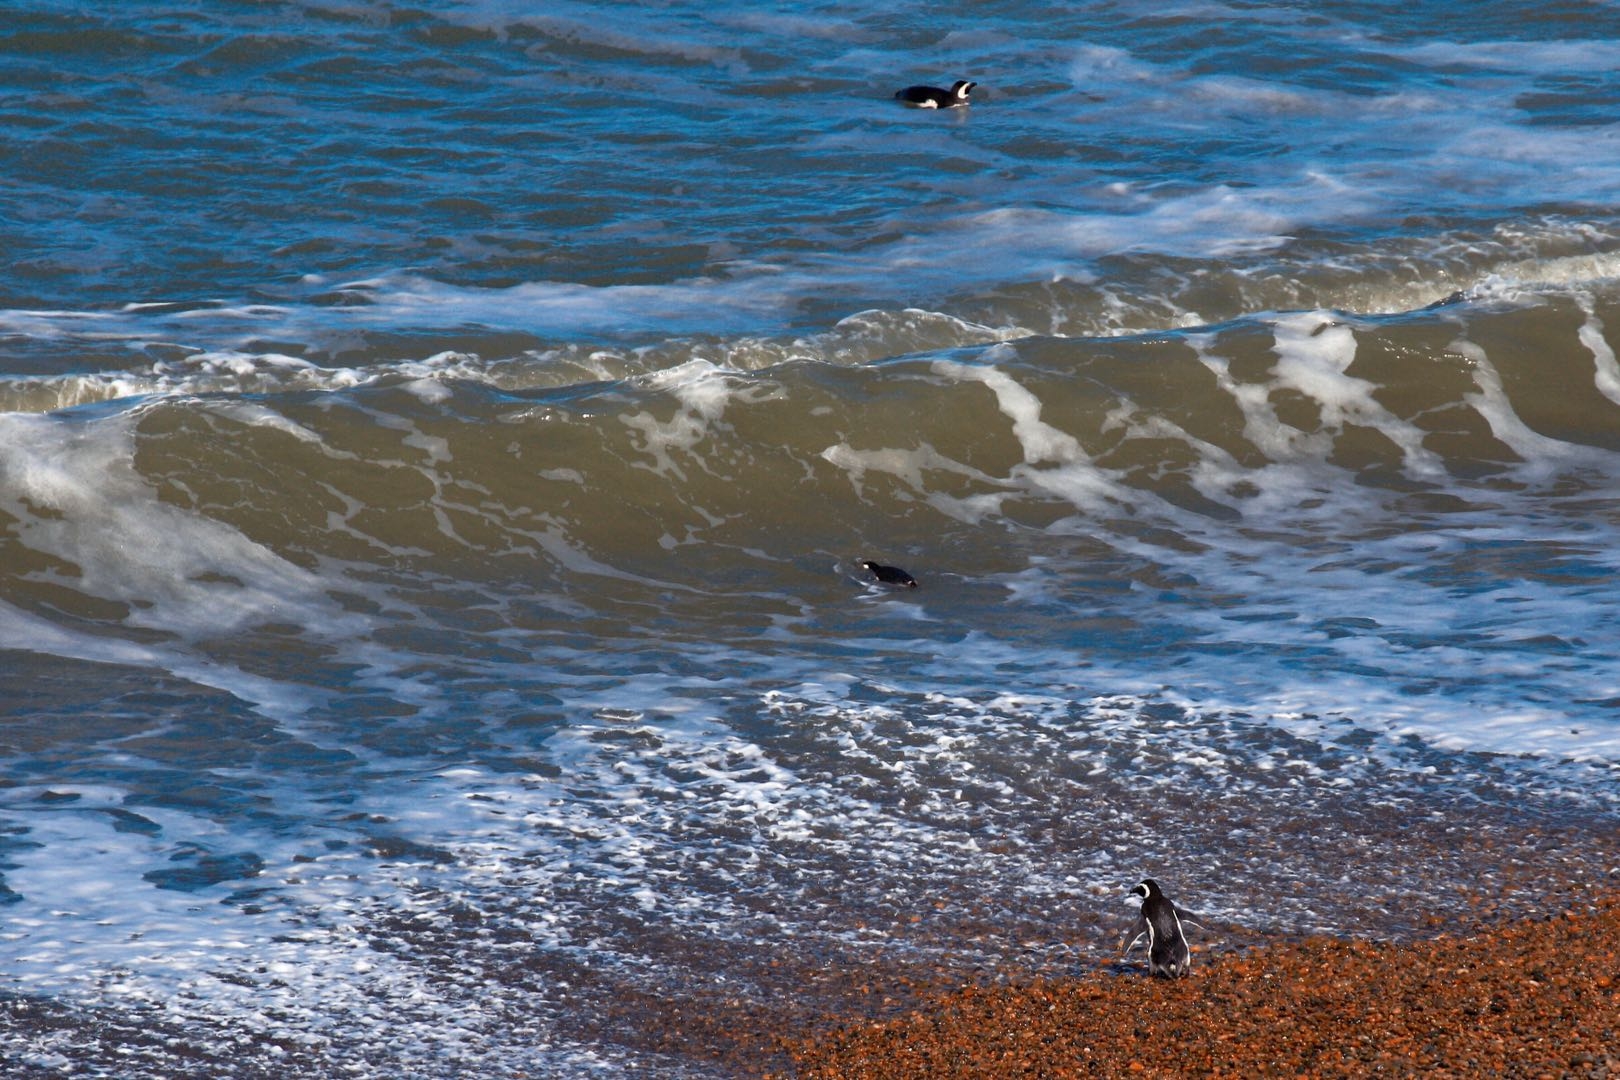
{"points": [[1536, 997]]}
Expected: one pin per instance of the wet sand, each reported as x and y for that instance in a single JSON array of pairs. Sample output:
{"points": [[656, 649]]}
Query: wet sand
{"points": [[1535, 997]]}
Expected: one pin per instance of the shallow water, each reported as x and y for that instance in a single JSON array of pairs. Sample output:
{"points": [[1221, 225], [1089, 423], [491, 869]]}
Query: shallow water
{"points": [[436, 448]]}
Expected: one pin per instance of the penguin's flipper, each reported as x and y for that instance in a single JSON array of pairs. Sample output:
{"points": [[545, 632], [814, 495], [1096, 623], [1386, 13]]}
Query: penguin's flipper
{"points": [[1190, 918], [1137, 931]]}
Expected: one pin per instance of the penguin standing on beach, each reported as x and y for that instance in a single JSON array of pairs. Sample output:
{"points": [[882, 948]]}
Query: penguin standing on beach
{"points": [[1168, 952], [932, 97]]}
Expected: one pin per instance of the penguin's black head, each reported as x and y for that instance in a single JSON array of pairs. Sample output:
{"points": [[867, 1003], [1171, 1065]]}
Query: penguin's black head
{"points": [[1147, 889], [962, 89]]}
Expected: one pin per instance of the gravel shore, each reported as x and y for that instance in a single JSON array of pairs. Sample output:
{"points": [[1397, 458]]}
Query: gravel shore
{"points": [[1533, 998]]}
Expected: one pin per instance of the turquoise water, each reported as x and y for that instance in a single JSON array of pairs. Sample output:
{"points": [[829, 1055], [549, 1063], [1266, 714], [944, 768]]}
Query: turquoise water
{"points": [[437, 446]]}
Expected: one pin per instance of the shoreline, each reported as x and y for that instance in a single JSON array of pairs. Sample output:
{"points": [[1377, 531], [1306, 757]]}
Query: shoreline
{"points": [[918, 997], [1538, 996], [1505, 995]]}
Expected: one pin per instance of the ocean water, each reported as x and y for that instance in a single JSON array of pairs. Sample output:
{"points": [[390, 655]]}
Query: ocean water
{"points": [[437, 444]]}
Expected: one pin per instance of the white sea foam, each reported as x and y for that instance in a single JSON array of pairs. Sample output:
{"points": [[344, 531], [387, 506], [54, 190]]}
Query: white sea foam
{"points": [[1606, 376], [702, 391], [1314, 353], [1529, 57], [73, 488], [1040, 441], [796, 26], [1542, 454], [90, 928]]}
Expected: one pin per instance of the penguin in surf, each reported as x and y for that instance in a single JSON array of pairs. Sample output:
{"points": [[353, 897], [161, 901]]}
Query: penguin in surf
{"points": [[889, 575], [932, 97]]}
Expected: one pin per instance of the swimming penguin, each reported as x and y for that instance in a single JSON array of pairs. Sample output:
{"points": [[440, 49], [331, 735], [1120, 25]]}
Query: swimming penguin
{"points": [[932, 97], [889, 575], [1168, 953]]}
